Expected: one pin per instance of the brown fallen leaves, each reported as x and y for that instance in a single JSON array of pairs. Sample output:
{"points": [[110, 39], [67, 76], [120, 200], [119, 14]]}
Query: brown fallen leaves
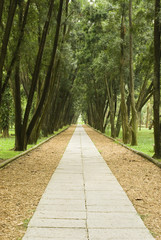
{"points": [[23, 182]]}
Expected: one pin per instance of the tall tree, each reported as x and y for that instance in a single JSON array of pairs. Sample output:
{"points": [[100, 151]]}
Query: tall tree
{"points": [[14, 57], [126, 131], [134, 119], [44, 95], [27, 125], [36, 70], [5, 40], [156, 82]]}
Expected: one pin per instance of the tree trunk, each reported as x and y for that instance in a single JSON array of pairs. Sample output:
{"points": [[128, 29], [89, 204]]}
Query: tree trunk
{"points": [[147, 116], [5, 132], [111, 106], [126, 132], [15, 54], [48, 75], [37, 66], [19, 144], [134, 120], [156, 82], [1, 11], [35, 134], [140, 120], [118, 123], [6, 40]]}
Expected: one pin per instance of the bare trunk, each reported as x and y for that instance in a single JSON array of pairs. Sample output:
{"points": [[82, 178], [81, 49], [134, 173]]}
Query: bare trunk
{"points": [[19, 143], [156, 81], [5, 132], [112, 107], [6, 40], [15, 54], [147, 116], [134, 120], [118, 123], [1, 11], [37, 66], [39, 109], [126, 132]]}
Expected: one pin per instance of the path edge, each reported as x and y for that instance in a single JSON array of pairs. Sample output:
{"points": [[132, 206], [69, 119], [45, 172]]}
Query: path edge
{"points": [[144, 155], [7, 161]]}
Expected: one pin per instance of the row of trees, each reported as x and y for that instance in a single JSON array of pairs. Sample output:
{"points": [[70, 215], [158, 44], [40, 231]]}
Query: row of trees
{"points": [[60, 58], [118, 56], [36, 69]]}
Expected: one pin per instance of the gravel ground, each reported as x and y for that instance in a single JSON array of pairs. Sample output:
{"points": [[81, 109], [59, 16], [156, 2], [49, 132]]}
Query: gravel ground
{"points": [[140, 179]]}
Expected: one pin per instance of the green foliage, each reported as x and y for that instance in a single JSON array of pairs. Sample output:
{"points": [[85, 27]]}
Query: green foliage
{"points": [[86, 72]]}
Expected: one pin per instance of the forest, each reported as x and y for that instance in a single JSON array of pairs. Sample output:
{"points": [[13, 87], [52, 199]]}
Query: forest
{"points": [[60, 59]]}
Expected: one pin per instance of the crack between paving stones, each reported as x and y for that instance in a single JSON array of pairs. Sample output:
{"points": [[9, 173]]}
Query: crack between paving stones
{"points": [[84, 184]]}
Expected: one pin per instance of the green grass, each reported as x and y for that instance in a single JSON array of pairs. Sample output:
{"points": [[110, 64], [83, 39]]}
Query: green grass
{"points": [[26, 222], [6, 148], [145, 141], [7, 145]]}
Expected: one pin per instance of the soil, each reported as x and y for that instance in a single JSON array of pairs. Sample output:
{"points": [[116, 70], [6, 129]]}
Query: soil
{"points": [[140, 179], [23, 182]]}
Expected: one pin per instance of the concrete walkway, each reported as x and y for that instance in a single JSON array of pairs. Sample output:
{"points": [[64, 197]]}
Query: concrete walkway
{"points": [[84, 201]]}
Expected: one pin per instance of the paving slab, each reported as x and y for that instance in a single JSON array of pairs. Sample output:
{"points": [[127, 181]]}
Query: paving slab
{"points": [[113, 220], [66, 206], [119, 234], [54, 208], [57, 223], [42, 214], [66, 194], [122, 207], [84, 201], [56, 233]]}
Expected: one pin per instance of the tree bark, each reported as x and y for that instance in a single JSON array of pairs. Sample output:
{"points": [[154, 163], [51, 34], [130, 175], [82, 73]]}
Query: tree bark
{"points": [[147, 116], [19, 144], [134, 120], [37, 67], [126, 132], [6, 40], [48, 75], [111, 106], [15, 54], [1, 11], [156, 82], [118, 123], [5, 132]]}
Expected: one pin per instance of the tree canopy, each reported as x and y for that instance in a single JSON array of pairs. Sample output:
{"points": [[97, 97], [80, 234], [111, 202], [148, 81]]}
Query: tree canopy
{"points": [[60, 59]]}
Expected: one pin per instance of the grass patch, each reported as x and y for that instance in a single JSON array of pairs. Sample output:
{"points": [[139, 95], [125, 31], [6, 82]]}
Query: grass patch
{"points": [[99, 151], [145, 141], [6, 148], [26, 222], [7, 145]]}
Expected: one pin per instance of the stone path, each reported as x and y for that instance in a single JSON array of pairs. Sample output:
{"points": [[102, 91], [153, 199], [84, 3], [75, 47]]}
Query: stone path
{"points": [[84, 201]]}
